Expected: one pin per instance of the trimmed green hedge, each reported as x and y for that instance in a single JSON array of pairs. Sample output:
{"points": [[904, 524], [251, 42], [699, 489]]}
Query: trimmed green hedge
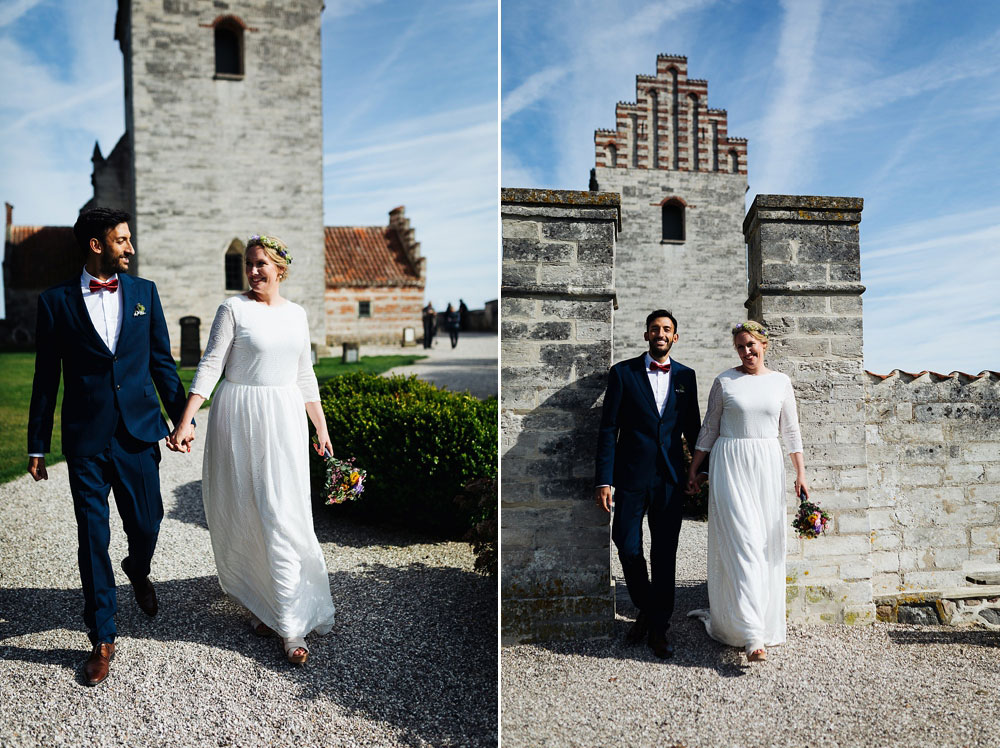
{"points": [[420, 445]]}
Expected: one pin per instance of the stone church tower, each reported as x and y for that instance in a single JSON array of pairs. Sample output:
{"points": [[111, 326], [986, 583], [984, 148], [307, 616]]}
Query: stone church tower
{"points": [[682, 181], [224, 139]]}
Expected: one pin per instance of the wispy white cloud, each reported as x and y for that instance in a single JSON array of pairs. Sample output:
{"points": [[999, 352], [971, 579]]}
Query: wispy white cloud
{"points": [[12, 10], [336, 9], [534, 88], [789, 122], [99, 92], [443, 168], [931, 298]]}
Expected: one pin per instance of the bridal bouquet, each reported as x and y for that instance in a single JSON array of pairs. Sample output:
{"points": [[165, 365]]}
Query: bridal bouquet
{"points": [[811, 521], [344, 481]]}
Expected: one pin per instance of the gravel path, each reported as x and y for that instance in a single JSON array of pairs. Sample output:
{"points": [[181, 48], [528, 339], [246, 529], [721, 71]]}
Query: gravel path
{"points": [[881, 685], [411, 661], [472, 365]]}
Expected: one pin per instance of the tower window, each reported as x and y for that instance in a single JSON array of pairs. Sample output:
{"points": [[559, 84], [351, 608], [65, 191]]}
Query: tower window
{"points": [[228, 49], [364, 309], [234, 266], [672, 216]]}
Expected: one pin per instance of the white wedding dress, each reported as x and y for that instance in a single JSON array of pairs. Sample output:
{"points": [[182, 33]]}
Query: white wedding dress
{"points": [[746, 506], [255, 477]]}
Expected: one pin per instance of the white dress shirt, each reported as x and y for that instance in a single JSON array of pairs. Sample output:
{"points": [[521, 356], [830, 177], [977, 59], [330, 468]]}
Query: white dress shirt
{"points": [[659, 380], [105, 309]]}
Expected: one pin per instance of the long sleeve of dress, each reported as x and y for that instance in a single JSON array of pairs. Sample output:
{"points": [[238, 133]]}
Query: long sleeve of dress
{"points": [[788, 421], [220, 341], [713, 417], [306, 379]]}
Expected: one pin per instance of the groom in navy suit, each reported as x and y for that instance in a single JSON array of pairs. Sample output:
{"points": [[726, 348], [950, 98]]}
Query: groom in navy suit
{"points": [[649, 404], [106, 332]]}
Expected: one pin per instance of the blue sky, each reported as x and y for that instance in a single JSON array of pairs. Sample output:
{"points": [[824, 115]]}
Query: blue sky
{"points": [[896, 102], [409, 107]]}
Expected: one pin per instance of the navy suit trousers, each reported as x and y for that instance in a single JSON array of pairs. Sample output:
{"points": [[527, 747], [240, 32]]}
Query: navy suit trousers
{"points": [[128, 468], [663, 501]]}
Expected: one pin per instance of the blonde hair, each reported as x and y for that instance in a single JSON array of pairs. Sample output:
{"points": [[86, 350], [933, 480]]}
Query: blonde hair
{"points": [[754, 329], [276, 251]]}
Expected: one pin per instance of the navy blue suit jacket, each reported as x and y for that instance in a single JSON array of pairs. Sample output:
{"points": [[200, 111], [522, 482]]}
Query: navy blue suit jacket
{"points": [[100, 386], [633, 436]]}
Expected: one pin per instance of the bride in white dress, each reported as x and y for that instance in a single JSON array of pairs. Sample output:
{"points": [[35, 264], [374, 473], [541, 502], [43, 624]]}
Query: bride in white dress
{"points": [[747, 409], [255, 476]]}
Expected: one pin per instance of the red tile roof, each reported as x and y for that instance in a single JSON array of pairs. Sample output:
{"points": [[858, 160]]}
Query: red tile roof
{"points": [[41, 256], [367, 256], [936, 375]]}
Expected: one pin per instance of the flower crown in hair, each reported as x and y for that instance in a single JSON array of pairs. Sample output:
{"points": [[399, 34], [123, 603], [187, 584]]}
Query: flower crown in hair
{"points": [[270, 243], [749, 327]]}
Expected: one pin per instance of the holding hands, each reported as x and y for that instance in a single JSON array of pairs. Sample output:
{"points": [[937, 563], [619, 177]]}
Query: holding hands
{"points": [[695, 482], [180, 438]]}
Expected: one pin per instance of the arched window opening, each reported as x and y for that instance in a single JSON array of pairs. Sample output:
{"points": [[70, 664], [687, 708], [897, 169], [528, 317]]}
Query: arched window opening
{"points": [[612, 156], [672, 216], [734, 162], [228, 49], [235, 277]]}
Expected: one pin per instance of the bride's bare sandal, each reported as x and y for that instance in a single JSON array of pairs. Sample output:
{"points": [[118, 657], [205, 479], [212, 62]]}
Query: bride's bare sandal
{"points": [[296, 650], [260, 628], [758, 655]]}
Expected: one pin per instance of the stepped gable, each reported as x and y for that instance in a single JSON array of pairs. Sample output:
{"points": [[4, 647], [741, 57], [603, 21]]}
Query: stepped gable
{"points": [[670, 126], [374, 255]]}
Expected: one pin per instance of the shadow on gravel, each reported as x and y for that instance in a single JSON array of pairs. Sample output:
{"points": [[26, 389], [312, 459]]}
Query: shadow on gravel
{"points": [[413, 646], [693, 647], [187, 505], [970, 637]]}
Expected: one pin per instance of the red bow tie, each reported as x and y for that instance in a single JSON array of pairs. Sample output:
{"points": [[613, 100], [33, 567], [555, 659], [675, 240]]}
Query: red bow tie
{"points": [[653, 366], [111, 285]]}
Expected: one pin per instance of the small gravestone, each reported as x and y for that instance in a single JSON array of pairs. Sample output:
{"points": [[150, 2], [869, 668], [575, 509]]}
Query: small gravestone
{"points": [[190, 341], [409, 337], [350, 355]]}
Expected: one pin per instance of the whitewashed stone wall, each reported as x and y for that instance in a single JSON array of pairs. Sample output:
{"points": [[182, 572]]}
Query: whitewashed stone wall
{"points": [[557, 297], [934, 479], [804, 271], [218, 159], [702, 280]]}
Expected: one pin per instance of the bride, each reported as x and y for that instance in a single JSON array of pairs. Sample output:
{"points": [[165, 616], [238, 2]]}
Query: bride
{"points": [[255, 476], [747, 408]]}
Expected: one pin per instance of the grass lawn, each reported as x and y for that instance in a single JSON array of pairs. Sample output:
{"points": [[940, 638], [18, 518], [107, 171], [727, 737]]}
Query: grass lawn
{"points": [[17, 370]]}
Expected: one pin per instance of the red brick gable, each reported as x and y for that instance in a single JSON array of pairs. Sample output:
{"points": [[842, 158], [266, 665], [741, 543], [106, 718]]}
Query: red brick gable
{"points": [[41, 256], [367, 256]]}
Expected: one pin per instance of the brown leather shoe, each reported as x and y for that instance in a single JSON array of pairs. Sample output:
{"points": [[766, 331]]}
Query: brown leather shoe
{"points": [[661, 647], [145, 595], [638, 630], [96, 668]]}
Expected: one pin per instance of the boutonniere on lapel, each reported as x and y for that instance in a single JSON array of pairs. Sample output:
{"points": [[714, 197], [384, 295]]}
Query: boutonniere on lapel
{"points": [[140, 311], [679, 389]]}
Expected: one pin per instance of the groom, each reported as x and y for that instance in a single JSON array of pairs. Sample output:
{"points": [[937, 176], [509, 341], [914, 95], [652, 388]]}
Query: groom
{"points": [[650, 402], [105, 330]]}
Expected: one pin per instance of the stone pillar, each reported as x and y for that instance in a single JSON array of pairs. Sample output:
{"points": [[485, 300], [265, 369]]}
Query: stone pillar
{"points": [[805, 288], [557, 300]]}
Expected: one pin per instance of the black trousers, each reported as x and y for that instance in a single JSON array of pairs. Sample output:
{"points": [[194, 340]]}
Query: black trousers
{"points": [[651, 591]]}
